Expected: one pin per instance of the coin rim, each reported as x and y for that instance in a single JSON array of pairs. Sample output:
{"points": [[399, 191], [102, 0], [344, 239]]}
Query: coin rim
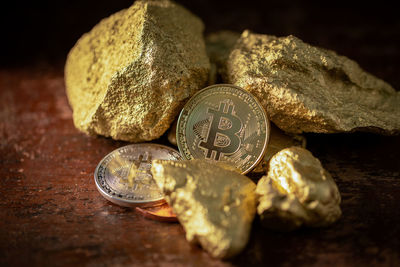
{"points": [[122, 201], [267, 124]]}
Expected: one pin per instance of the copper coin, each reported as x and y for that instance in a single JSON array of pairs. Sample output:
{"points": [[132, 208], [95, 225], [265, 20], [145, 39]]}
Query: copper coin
{"points": [[223, 122], [162, 213]]}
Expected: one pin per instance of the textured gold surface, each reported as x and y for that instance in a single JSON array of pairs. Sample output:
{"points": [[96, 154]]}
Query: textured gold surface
{"points": [[218, 46], [297, 191], [215, 204], [278, 140], [130, 75], [309, 89]]}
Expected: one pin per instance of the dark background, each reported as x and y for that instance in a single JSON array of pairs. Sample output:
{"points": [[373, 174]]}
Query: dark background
{"points": [[50, 211], [366, 31]]}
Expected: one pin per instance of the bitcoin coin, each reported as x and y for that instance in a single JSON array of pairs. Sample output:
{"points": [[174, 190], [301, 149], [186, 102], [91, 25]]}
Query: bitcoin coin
{"points": [[223, 123], [124, 178]]}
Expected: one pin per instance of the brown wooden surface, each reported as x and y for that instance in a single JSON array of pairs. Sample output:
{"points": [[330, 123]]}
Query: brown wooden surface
{"points": [[52, 215]]}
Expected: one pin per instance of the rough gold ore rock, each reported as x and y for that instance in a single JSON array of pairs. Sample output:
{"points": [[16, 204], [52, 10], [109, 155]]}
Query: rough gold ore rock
{"points": [[219, 45], [310, 89], [297, 191], [278, 140], [214, 203], [130, 75]]}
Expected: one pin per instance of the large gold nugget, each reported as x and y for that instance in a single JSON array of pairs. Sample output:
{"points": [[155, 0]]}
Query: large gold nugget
{"points": [[215, 204], [129, 77], [297, 191], [310, 89], [223, 123]]}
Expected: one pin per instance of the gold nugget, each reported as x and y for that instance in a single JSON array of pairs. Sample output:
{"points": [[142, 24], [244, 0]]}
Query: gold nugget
{"points": [[311, 89], [297, 191], [278, 140], [213, 202], [129, 76]]}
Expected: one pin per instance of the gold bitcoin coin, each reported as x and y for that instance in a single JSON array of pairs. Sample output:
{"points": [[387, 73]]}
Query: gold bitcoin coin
{"points": [[223, 122]]}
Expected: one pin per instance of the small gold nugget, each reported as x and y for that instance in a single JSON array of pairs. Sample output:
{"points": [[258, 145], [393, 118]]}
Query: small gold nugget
{"points": [[278, 140], [297, 191], [214, 203], [172, 133]]}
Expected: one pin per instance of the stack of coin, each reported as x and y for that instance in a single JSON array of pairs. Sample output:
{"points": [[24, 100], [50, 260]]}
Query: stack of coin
{"points": [[221, 123]]}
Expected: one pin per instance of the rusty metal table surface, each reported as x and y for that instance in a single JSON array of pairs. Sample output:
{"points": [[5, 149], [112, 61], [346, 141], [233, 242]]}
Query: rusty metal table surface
{"points": [[52, 215]]}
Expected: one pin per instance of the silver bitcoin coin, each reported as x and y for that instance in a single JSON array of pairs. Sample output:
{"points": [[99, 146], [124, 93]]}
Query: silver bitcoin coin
{"points": [[223, 122], [124, 178]]}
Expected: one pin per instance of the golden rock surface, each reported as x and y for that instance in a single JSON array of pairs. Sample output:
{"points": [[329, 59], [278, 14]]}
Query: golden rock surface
{"points": [[278, 140], [297, 191], [310, 89], [130, 75], [214, 203], [219, 45]]}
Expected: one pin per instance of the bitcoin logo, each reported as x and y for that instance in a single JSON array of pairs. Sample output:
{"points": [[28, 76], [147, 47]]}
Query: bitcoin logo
{"points": [[133, 171], [141, 174], [222, 133]]}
